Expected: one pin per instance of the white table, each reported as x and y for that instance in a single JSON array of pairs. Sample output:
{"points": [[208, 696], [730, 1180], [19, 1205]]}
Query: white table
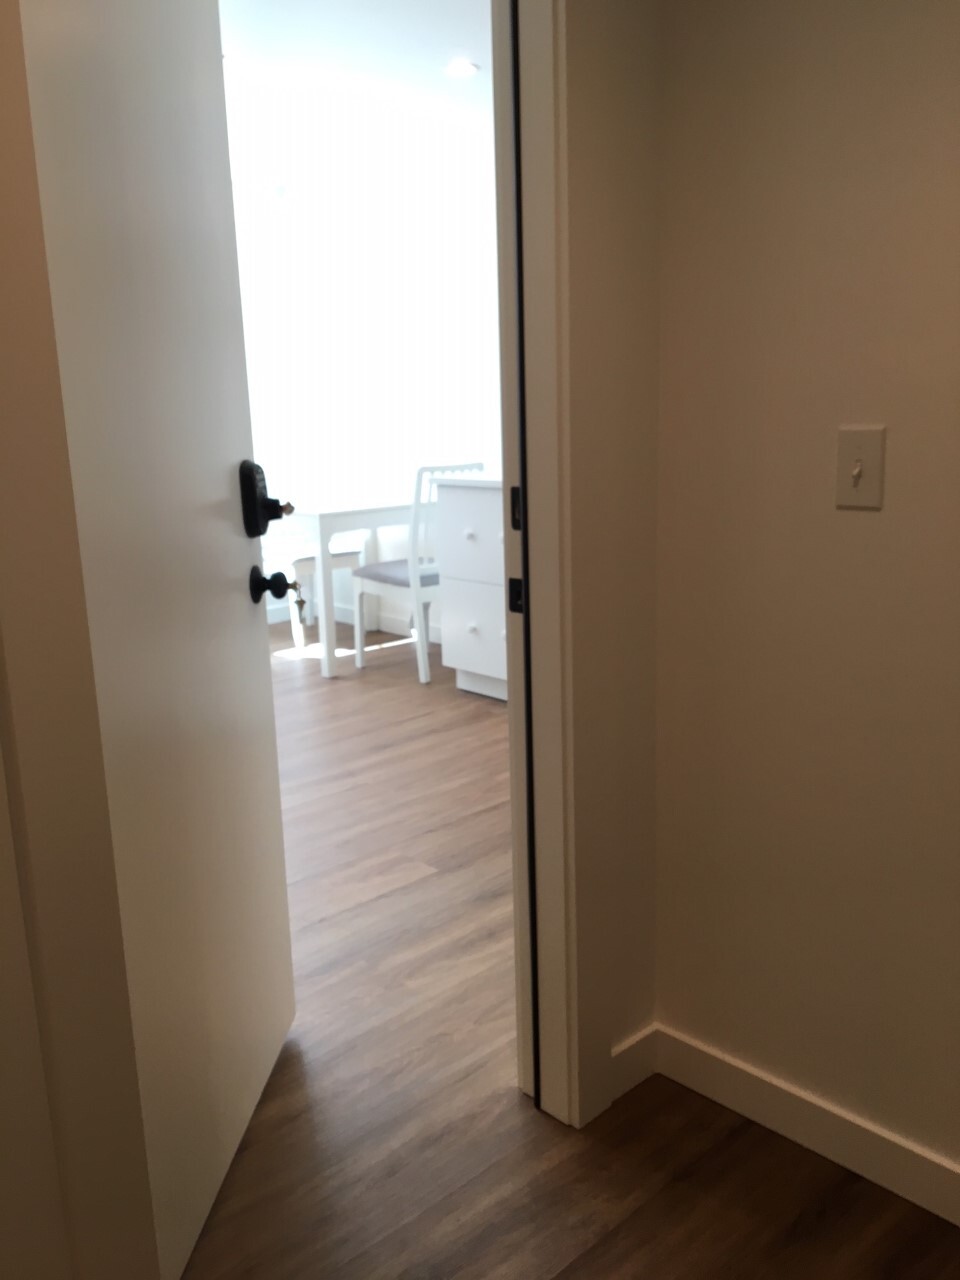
{"points": [[329, 523]]}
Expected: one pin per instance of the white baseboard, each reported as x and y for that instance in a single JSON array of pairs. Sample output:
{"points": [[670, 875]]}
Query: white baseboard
{"points": [[488, 686], [391, 623], [633, 1060], [918, 1173]]}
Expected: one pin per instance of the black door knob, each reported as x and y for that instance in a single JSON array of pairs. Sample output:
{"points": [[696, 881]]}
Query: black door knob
{"points": [[277, 584]]}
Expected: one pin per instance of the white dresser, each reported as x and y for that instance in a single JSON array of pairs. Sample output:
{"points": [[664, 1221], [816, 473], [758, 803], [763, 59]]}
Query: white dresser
{"points": [[473, 626]]}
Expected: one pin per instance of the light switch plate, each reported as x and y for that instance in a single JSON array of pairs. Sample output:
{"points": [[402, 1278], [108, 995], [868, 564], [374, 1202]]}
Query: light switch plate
{"points": [[860, 458]]}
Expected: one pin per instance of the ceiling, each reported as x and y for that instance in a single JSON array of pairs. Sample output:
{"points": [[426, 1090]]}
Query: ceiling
{"points": [[406, 40]]}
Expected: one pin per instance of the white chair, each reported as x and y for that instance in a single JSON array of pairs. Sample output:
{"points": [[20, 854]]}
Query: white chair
{"points": [[413, 583]]}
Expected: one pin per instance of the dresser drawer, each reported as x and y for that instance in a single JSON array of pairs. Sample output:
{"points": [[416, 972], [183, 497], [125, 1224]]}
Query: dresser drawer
{"points": [[473, 627], [470, 533]]}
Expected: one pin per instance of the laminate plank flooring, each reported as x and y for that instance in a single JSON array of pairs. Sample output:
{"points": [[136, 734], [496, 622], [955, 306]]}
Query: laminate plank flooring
{"points": [[391, 1140]]}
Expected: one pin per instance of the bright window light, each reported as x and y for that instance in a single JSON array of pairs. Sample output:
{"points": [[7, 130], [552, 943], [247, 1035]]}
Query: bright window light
{"points": [[461, 68], [366, 229]]}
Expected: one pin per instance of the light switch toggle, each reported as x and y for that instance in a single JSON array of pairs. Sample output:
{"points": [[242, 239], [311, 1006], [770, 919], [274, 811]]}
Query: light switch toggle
{"points": [[860, 463]]}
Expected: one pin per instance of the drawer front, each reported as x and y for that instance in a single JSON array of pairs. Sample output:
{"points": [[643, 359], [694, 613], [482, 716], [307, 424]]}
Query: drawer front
{"points": [[473, 627], [470, 534]]}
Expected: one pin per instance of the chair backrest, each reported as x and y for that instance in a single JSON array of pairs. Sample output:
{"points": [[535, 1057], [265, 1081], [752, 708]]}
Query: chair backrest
{"points": [[423, 514]]}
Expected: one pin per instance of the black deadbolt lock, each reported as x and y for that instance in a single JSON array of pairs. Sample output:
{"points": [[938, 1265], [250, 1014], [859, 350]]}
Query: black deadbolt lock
{"points": [[258, 507]]}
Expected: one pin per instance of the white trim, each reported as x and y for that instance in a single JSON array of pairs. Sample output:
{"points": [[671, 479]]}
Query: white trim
{"points": [[508, 271], [392, 623], [547, 510], [488, 686], [633, 1060], [461, 482], [920, 1174], [573, 1064]]}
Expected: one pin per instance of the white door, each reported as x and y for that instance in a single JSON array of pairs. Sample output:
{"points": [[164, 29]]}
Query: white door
{"points": [[33, 1240], [131, 152]]}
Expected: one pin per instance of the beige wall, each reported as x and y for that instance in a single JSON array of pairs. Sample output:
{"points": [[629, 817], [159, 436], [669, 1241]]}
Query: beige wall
{"points": [[610, 53], [809, 659], [54, 768]]}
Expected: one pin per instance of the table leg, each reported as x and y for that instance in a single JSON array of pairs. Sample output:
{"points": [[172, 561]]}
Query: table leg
{"points": [[369, 555], [326, 618]]}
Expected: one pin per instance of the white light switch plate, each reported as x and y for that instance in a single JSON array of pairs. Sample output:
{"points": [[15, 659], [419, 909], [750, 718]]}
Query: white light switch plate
{"points": [[860, 456]]}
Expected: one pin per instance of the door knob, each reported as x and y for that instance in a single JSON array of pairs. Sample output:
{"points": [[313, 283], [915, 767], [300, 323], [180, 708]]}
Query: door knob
{"points": [[277, 584], [257, 505]]}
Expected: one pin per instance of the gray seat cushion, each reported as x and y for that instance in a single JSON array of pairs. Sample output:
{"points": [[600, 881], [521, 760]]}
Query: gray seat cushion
{"points": [[396, 573]]}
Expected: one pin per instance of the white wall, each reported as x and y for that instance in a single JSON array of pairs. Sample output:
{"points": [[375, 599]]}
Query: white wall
{"points": [[809, 659], [367, 238]]}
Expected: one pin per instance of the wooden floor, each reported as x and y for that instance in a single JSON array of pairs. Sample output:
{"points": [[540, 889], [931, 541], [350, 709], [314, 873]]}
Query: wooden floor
{"points": [[391, 1141]]}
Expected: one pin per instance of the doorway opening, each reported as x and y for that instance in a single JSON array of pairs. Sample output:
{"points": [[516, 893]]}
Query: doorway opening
{"points": [[365, 191]]}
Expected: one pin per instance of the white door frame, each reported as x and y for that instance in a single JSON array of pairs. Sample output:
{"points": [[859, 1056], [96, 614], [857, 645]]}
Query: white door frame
{"points": [[534, 337]]}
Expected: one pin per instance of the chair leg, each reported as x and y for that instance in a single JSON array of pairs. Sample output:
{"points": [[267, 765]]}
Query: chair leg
{"points": [[296, 626], [326, 618], [359, 629], [423, 640]]}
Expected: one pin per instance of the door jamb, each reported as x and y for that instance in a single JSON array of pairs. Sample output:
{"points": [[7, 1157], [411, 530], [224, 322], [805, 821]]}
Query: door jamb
{"points": [[528, 61]]}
